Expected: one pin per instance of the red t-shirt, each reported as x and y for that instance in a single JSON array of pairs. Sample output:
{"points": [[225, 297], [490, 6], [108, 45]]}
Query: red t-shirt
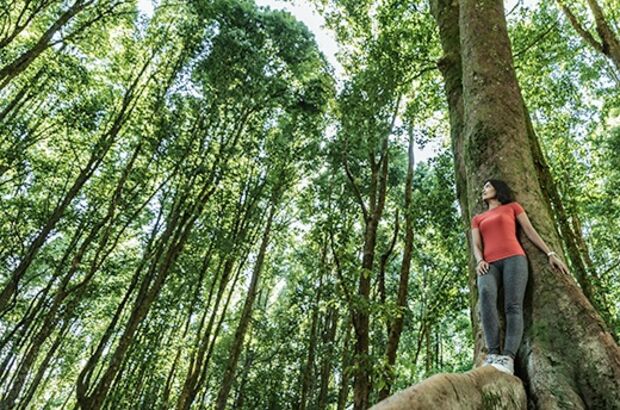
{"points": [[498, 230]]}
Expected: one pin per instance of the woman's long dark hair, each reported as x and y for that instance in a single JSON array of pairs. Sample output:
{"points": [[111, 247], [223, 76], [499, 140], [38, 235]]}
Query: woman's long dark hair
{"points": [[503, 193]]}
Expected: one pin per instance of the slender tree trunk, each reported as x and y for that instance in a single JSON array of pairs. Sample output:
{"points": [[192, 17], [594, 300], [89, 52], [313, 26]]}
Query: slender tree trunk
{"points": [[153, 247], [428, 356], [59, 309], [23, 20], [179, 228], [328, 337], [98, 153], [211, 345], [21, 97], [145, 299], [200, 359], [246, 314], [43, 367], [308, 376], [396, 326], [246, 206], [361, 314], [247, 365], [385, 257], [343, 392], [23, 61]]}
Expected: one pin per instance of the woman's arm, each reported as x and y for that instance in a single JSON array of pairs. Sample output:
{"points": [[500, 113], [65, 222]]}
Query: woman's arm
{"points": [[482, 267], [475, 234], [531, 233]]}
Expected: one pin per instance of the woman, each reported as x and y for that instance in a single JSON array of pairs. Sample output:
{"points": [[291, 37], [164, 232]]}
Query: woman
{"points": [[501, 259]]}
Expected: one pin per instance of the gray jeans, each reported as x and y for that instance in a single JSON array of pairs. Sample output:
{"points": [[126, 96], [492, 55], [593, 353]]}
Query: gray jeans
{"points": [[512, 272]]}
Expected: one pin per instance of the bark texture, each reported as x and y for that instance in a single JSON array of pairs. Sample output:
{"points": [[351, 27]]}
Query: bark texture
{"points": [[482, 388]]}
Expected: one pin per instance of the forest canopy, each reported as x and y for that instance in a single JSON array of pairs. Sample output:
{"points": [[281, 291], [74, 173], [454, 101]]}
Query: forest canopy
{"points": [[197, 210]]}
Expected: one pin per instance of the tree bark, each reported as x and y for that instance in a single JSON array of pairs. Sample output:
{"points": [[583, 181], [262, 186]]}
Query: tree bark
{"points": [[481, 388]]}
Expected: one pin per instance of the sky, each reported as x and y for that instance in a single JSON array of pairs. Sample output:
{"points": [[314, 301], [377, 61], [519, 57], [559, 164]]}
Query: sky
{"points": [[146, 7]]}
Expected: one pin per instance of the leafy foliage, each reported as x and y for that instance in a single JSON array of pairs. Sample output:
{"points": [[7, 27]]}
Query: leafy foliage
{"points": [[140, 157]]}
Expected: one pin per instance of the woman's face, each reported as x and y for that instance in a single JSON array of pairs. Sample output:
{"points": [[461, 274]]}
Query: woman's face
{"points": [[488, 191]]}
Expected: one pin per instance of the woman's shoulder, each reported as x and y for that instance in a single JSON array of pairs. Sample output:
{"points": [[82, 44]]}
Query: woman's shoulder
{"points": [[478, 216], [474, 223], [515, 203], [516, 206]]}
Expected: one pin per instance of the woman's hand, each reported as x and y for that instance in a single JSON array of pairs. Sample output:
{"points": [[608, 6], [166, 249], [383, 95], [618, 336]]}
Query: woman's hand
{"points": [[558, 265], [482, 267]]}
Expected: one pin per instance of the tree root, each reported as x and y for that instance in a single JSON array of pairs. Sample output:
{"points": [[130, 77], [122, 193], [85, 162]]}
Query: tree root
{"points": [[481, 388]]}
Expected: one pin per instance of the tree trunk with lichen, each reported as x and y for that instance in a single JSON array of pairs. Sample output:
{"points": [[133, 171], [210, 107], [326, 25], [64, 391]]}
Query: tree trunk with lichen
{"points": [[567, 358]]}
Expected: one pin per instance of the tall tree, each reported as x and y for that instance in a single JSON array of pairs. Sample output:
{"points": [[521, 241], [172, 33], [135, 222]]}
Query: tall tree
{"points": [[493, 137], [395, 327]]}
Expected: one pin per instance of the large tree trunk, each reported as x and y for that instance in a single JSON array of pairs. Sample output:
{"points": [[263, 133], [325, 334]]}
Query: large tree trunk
{"points": [[567, 358]]}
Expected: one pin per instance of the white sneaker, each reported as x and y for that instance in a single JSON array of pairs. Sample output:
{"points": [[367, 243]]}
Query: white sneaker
{"points": [[490, 359], [504, 364]]}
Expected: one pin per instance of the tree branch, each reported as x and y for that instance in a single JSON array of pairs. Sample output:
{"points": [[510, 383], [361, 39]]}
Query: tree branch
{"points": [[544, 34], [585, 34]]}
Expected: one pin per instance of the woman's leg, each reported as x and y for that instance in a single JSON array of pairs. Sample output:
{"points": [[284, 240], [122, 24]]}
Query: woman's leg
{"points": [[515, 274], [487, 292]]}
